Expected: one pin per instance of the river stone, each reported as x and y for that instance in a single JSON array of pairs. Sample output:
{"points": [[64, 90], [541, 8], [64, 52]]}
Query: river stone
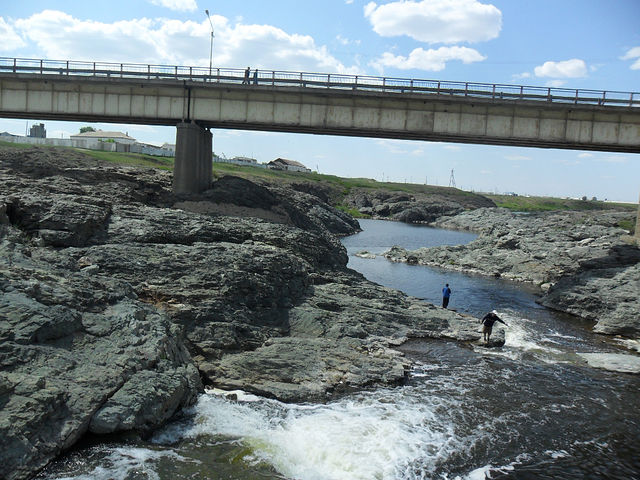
{"points": [[614, 362]]}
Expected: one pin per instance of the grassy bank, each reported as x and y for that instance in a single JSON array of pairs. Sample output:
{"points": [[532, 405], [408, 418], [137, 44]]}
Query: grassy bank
{"points": [[546, 204]]}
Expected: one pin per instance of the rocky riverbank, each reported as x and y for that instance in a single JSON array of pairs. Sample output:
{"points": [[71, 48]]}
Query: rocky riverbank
{"points": [[581, 261], [413, 207], [120, 301]]}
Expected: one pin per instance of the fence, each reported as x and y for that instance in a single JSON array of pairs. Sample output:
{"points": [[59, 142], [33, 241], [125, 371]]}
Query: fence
{"points": [[330, 81]]}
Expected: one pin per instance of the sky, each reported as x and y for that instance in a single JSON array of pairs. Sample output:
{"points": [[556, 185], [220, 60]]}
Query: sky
{"points": [[586, 44]]}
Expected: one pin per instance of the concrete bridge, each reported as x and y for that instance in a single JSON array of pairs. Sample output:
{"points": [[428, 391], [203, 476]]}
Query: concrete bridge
{"points": [[197, 99]]}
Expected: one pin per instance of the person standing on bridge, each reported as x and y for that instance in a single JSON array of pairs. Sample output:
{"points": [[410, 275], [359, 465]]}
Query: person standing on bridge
{"points": [[246, 76], [446, 294], [255, 77]]}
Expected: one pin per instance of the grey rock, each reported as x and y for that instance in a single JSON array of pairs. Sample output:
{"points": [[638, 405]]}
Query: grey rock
{"points": [[615, 362], [412, 208]]}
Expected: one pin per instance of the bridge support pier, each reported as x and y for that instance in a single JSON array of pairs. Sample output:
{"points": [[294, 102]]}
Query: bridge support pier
{"points": [[637, 233], [192, 168]]}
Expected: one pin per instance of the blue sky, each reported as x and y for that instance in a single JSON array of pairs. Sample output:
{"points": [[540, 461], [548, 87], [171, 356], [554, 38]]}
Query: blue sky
{"points": [[591, 44]]}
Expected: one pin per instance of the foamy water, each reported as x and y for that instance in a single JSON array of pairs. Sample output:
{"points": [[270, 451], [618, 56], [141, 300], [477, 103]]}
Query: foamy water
{"points": [[381, 435]]}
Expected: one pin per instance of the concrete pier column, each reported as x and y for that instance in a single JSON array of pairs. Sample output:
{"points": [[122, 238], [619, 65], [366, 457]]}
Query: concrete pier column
{"points": [[192, 167], [637, 234]]}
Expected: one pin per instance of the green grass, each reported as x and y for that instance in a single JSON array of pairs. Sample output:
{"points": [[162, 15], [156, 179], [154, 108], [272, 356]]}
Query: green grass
{"points": [[354, 212], [15, 145], [628, 225], [546, 204], [134, 159], [345, 185]]}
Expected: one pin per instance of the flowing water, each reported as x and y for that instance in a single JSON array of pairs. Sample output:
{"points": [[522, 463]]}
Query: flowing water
{"points": [[530, 410]]}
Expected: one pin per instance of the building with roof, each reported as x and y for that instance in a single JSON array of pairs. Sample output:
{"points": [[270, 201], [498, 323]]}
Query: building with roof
{"points": [[289, 165], [95, 140]]}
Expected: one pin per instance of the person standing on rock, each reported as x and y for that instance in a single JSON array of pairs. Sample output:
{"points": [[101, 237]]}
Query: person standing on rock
{"points": [[487, 324], [446, 294]]}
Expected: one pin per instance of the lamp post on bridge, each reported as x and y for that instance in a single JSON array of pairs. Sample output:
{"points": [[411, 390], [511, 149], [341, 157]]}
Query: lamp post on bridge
{"points": [[211, 48]]}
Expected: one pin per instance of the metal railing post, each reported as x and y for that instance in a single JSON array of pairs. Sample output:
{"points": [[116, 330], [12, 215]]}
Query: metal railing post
{"points": [[328, 80], [631, 99], [438, 92], [576, 99]]}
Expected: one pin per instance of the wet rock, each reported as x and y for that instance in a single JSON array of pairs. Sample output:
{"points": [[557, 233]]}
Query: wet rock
{"points": [[614, 362]]}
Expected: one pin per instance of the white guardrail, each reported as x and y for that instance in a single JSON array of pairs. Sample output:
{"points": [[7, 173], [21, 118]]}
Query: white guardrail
{"points": [[321, 80]]}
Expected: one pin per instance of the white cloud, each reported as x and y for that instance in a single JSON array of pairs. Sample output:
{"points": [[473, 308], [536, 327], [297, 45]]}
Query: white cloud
{"points": [[573, 68], [180, 5], [612, 159], [633, 54], [517, 158], [345, 41], [10, 39], [585, 155], [436, 21], [521, 76], [555, 83], [58, 35], [433, 60]]}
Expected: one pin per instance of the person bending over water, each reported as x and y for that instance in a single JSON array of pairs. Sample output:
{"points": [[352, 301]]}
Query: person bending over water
{"points": [[487, 324]]}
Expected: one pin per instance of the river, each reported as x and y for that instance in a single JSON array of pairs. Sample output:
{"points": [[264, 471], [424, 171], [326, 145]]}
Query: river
{"points": [[530, 410]]}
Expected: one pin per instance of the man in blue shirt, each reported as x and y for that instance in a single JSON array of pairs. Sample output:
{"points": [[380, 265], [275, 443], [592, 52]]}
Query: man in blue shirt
{"points": [[446, 293]]}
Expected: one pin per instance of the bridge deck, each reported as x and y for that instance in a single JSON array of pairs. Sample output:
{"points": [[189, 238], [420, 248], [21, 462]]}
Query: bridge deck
{"points": [[332, 81]]}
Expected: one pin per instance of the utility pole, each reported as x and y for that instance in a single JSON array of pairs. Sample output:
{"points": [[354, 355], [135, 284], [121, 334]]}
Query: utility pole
{"points": [[211, 48]]}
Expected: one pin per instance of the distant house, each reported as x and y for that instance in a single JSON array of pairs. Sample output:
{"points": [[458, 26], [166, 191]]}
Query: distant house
{"points": [[290, 165], [8, 135], [93, 140], [246, 161]]}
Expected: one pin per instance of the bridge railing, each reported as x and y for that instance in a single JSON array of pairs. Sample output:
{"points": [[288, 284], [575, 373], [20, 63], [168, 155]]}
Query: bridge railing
{"points": [[332, 81]]}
